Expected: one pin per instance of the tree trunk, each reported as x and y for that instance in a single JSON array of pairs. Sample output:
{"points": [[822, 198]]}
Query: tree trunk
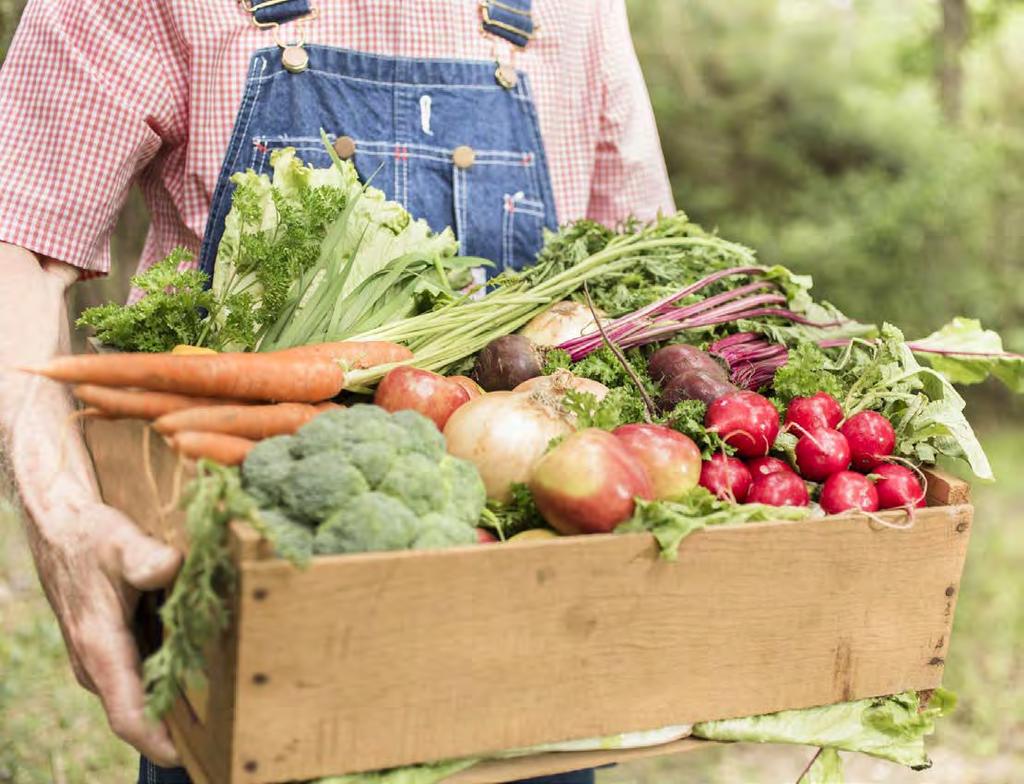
{"points": [[952, 39]]}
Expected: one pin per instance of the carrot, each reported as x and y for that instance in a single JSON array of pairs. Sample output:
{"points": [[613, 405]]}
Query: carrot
{"points": [[255, 422], [294, 379], [353, 354], [138, 404], [328, 405], [225, 449]]}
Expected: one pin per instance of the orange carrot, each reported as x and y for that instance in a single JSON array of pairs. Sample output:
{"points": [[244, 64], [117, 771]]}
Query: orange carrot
{"points": [[352, 354], [254, 422], [138, 404], [328, 405], [227, 450], [294, 379]]}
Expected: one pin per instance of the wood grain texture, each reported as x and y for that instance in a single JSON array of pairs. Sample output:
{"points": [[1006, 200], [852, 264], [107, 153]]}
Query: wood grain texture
{"points": [[945, 489], [205, 736], [372, 661], [547, 764], [118, 448]]}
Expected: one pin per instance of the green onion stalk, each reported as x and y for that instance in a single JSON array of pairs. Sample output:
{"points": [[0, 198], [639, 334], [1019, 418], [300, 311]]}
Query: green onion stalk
{"points": [[442, 338]]}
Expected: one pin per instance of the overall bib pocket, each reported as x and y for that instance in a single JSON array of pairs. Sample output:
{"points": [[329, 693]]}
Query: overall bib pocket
{"points": [[441, 137]]}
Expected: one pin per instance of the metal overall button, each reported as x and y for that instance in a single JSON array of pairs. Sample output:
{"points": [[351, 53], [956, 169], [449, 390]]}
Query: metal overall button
{"points": [[345, 146], [463, 157]]}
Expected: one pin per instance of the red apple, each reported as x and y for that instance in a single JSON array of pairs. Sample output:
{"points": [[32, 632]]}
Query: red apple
{"points": [[588, 483], [434, 396], [672, 460], [473, 389]]}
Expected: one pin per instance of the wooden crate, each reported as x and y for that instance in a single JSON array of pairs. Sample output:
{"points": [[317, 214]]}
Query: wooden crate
{"points": [[371, 661]]}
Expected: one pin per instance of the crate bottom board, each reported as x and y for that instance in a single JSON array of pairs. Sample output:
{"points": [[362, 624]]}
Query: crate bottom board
{"points": [[872, 608], [500, 771]]}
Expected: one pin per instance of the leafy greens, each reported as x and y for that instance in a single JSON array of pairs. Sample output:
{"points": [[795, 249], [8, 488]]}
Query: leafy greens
{"points": [[891, 728]]}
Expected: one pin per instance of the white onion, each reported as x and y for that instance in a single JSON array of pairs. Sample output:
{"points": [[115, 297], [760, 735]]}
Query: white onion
{"points": [[560, 382], [503, 434], [561, 322]]}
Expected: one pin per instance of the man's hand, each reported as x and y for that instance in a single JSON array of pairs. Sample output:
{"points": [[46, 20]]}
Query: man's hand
{"points": [[92, 572], [92, 560]]}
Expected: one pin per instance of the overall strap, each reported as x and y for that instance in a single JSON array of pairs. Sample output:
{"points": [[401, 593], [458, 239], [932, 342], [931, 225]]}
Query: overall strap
{"points": [[270, 12], [509, 19]]}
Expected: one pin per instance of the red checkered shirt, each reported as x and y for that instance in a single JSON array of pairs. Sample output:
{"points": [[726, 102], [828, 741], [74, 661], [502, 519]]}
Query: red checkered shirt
{"points": [[98, 94]]}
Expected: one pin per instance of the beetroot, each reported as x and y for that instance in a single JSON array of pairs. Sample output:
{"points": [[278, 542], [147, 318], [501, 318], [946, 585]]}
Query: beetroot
{"points": [[805, 414], [848, 490], [898, 487], [726, 477], [871, 437], [762, 466], [746, 420], [821, 453], [782, 488]]}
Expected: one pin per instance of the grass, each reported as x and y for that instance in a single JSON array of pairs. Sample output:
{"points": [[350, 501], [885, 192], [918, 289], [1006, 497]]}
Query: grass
{"points": [[52, 732]]}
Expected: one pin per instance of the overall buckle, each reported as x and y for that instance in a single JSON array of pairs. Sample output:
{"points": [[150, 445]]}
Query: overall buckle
{"points": [[513, 24], [253, 8]]}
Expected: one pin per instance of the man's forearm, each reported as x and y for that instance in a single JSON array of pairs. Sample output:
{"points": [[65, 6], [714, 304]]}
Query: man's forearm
{"points": [[43, 445]]}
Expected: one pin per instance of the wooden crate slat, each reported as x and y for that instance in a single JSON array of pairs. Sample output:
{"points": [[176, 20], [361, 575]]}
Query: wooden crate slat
{"points": [[372, 661]]}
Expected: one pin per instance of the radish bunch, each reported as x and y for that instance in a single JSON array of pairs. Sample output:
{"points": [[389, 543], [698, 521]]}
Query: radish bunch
{"points": [[851, 458]]}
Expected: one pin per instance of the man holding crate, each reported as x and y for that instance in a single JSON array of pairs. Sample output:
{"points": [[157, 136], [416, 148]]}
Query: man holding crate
{"points": [[537, 109]]}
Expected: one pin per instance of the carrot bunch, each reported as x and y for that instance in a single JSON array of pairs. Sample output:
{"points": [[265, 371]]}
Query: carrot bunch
{"points": [[218, 405]]}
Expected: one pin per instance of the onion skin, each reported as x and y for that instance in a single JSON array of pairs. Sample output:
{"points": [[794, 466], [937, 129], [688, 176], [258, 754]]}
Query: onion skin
{"points": [[503, 434], [562, 322], [507, 362], [561, 382], [588, 484]]}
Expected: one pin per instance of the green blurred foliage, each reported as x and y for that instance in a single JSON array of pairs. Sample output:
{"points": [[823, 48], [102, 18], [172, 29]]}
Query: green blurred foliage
{"points": [[811, 131]]}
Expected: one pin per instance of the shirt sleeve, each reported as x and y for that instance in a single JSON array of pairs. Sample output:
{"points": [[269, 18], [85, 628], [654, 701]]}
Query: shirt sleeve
{"points": [[629, 170], [89, 93]]}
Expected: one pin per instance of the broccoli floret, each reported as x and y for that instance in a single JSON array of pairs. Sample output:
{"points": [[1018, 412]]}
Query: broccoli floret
{"points": [[291, 539], [318, 485], [346, 429], [265, 470], [415, 480], [438, 531], [365, 480], [372, 521], [419, 434], [466, 493]]}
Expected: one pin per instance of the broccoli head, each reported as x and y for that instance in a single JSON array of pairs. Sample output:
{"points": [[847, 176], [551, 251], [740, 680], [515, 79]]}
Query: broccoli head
{"points": [[371, 521], [291, 539], [265, 471], [365, 480]]}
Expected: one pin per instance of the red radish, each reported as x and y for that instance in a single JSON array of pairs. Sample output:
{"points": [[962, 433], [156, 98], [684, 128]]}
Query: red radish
{"points": [[726, 477], [671, 459], [588, 483], [473, 389], [746, 420], [805, 414], [821, 453], [432, 395], [782, 488], [898, 487], [848, 490], [871, 438], [483, 536], [762, 466]]}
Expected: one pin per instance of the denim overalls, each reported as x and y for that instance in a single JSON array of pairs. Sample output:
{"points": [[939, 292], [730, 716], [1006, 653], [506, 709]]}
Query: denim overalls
{"points": [[457, 143], [445, 138]]}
